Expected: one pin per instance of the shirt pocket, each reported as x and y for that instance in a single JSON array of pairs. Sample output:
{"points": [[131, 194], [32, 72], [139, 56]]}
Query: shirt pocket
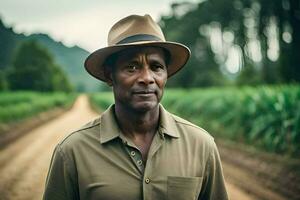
{"points": [[183, 188]]}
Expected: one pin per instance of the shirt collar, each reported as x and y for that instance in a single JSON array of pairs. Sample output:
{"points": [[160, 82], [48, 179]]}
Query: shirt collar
{"points": [[167, 123], [110, 130]]}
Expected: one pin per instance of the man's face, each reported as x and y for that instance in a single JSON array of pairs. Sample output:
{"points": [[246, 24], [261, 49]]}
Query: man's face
{"points": [[138, 78]]}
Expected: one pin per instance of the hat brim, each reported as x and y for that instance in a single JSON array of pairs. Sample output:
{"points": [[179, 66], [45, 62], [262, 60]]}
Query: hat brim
{"points": [[179, 55]]}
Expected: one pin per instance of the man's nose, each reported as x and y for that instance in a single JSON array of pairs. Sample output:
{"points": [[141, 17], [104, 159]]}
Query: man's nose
{"points": [[146, 76]]}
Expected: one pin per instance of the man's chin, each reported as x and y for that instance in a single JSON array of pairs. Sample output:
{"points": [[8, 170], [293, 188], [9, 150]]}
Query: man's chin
{"points": [[145, 106]]}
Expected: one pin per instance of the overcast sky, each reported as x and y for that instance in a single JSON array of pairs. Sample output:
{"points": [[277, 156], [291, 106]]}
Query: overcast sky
{"points": [[76, 22]]}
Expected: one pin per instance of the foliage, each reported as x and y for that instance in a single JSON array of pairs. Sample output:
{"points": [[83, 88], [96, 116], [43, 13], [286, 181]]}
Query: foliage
{"points": [[266, 117], [34, 69], [3, 82], [15, 106], [70, 59], [102, 100], [7, 43], [265, 32], [246, 72]]}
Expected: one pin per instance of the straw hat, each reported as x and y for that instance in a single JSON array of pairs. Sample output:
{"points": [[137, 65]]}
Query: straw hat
{"points": [[136, 31]]}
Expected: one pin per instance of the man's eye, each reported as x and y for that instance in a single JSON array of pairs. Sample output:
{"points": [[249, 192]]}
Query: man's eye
{"points": [[158, 67], [131, 68]]}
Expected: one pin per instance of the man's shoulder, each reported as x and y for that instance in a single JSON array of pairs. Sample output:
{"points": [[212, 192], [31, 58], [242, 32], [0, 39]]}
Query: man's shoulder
{"points": [[192, 130], [185, 122], [87, 132]]}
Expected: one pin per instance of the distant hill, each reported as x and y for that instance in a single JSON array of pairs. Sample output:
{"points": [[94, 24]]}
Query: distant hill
{"points": [[71, 59]]}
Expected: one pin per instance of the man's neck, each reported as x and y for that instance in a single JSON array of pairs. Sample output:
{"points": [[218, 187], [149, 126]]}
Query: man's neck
{"points": [[133, 123]]}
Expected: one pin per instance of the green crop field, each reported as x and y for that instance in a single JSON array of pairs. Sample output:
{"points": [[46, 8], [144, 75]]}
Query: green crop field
{"points": [[16, 106], [267, 117]]}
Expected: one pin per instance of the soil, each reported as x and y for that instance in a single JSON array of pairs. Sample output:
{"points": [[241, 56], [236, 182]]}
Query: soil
{"points": [[264, 175], [24, 162], [12, 131]]}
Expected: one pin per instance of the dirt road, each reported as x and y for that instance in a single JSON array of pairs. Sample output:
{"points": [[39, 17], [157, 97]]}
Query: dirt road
{"points": [[24, 163]]}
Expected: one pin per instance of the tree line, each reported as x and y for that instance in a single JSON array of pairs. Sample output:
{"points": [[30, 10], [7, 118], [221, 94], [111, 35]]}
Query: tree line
{"points": [[243, 42], [32, 67]]}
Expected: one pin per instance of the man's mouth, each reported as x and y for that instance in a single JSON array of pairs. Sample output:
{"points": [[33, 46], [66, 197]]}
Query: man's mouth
{"points": [[144, 92]]}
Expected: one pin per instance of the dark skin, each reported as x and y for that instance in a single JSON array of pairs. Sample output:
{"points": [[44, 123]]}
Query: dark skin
{"points": [[138, 78]]}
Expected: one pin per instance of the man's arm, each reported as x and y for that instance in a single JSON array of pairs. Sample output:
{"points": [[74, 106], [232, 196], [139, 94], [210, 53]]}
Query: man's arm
{"points": [[214, 185], [60, 182]]}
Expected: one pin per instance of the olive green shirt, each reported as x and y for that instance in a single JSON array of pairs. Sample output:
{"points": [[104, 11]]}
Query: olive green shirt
{"points": [[98, 162]]}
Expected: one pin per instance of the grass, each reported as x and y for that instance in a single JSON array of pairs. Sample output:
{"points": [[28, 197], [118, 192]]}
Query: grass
{"points": [[16, 106]]}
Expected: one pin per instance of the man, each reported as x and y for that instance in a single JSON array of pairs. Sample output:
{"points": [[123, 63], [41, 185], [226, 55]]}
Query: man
{"points": [[136, 149]]}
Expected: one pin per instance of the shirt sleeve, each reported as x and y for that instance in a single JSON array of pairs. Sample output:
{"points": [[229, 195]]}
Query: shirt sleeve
{"points": [[214, 184], [60, 184]]}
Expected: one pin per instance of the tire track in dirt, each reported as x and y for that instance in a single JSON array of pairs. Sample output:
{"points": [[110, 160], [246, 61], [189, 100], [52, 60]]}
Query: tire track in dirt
{"points": [[24, 163]]}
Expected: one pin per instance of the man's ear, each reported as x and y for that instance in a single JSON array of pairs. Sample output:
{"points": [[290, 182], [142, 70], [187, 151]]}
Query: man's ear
{"points": [[108, 75]]}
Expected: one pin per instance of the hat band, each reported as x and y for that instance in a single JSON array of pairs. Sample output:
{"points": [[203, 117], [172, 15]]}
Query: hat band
{"points": [[139, 38]]}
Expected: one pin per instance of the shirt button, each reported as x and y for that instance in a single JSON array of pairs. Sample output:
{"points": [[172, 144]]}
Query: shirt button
{"points": [[132, 153], [147, 180], [139, 162]]}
